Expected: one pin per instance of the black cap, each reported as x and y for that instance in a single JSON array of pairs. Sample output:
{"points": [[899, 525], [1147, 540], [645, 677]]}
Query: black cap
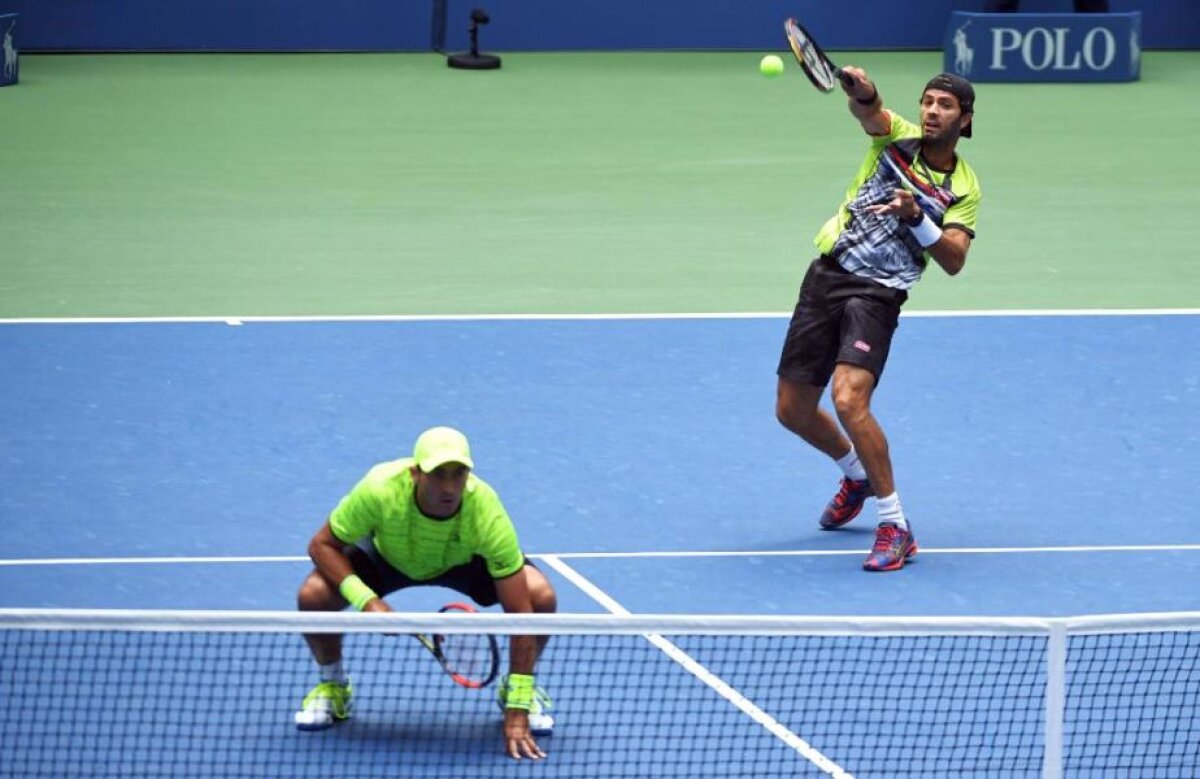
{"points": [[961, 89]]}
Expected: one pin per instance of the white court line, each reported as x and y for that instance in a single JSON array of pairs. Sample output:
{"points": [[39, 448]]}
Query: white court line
{"points": [[774, 726], [617, 555], [149, 560], [234, 320], [924, 550]]}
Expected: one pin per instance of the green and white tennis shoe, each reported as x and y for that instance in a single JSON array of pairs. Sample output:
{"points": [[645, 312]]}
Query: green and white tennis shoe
{"points": [[326, 705]]}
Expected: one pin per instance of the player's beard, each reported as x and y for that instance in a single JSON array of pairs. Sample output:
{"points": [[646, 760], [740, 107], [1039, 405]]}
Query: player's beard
{"points": [[945, 137]]}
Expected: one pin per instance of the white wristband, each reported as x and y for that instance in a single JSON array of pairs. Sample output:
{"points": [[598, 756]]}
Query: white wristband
{"points": [[926, 232]]}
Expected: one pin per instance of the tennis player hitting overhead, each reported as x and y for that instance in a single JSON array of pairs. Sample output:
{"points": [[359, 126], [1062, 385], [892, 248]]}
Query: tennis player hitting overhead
{"points": [[912, 199], [426, 520]]}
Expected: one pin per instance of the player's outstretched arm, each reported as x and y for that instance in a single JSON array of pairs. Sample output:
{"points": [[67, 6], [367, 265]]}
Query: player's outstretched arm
{"points": [[864, 101]]}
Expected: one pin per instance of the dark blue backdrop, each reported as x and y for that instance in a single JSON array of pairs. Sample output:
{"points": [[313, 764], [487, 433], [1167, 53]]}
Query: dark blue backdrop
{"points": [[283, 25]]}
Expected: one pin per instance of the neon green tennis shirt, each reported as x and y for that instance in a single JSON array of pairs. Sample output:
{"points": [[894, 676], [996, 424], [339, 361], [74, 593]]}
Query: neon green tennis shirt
{"points": [[383, 504]]}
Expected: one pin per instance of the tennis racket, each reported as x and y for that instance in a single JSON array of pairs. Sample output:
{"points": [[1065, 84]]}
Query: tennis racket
{"points": [[816, 65], [470, 659]]}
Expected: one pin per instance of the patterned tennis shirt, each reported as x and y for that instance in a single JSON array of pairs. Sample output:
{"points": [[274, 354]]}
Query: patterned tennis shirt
{"points": [[879, 247]]}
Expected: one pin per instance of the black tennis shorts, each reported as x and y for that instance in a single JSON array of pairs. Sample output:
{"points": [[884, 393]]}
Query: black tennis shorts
{"points": [[471, 579], [840, 317]]}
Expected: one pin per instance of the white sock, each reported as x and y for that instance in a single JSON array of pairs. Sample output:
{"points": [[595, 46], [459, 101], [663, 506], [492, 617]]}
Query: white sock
{"points": [[851, 465], [333, 672], [891, 511]]}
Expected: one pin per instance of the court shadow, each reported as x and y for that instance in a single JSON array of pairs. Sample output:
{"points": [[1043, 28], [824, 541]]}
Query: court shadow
{"points": [[850, 537], [427, 735]]}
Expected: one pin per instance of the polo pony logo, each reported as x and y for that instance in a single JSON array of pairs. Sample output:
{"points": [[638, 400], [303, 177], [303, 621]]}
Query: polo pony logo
{"points": [[10, 54], [964, 55]]}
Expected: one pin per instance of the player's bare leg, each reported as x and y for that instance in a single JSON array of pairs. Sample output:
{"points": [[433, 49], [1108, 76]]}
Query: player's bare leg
{"points": [[317, 595], [329, 702], [545, 600], [797, 409], [851, 393], [894, 542]]}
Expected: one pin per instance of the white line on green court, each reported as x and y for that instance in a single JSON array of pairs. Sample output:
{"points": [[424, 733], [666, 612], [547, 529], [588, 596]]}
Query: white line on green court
{"points": [[241, 320]]}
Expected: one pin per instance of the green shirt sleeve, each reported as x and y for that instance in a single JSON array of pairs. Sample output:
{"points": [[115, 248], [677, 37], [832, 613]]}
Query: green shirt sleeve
{"points": [[965, 212], [496, 539], [359, 512]]}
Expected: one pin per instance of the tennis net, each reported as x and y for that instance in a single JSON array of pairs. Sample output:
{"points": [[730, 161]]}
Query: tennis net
{"points": [[211, 694]]}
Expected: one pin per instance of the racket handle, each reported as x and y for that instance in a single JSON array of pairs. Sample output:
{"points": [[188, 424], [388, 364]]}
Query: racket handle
{"points": [[846, 79]]}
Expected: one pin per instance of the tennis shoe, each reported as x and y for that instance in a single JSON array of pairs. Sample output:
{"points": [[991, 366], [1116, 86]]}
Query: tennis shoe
{"points": [[541, 721], [325, 705], [847, 503], [893, 548]]}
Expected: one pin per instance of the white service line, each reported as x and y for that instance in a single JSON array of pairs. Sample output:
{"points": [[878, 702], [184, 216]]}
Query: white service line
{"points": [[924, 551], [148, 560], [162, 560], [774, 726]]}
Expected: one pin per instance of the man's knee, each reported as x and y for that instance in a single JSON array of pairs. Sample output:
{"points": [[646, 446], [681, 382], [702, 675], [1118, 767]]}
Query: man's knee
{"points": [[849, 402], [541, 592], [316, 595], [796, 406], [786, 415], [851, 391]]}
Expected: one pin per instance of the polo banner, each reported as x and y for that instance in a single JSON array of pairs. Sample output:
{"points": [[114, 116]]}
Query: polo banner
{"points": [[1067, 47]]}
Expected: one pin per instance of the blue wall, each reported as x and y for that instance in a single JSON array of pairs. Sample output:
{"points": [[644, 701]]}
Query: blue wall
{"points": [[253, 25], [222, 25], [757, 24]]}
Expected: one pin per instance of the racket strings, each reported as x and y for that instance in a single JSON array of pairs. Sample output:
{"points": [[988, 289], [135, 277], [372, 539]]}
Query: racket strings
{"points": [[816, 66], [470, 656]]}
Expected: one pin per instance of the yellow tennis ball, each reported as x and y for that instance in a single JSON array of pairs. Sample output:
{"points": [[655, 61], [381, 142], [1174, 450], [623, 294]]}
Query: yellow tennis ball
{"points": [[770, 66]]}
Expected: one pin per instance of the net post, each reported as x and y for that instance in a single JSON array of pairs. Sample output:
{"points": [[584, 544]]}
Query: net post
{"points": [[1056, 699]]}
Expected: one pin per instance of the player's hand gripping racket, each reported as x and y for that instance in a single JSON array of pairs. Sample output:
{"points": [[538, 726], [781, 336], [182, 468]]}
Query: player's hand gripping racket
{"points": [[819, 68], [470, 659]]}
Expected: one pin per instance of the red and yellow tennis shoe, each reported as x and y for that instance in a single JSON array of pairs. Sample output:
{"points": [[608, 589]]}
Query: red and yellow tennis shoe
{"points": [[847, 503], [893, 548]]}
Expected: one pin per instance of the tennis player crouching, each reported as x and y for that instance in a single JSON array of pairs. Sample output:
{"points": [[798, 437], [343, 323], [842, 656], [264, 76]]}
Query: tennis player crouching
{"points": [[913, 199], [427, 520]]}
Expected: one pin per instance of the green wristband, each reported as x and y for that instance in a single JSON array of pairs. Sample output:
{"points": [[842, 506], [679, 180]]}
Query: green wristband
{"points": [[520, 692], [354, 590]]}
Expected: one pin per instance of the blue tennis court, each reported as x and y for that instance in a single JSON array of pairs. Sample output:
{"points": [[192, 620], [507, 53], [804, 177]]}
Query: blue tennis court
{"points": [[647, 447], [184, 465]]}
